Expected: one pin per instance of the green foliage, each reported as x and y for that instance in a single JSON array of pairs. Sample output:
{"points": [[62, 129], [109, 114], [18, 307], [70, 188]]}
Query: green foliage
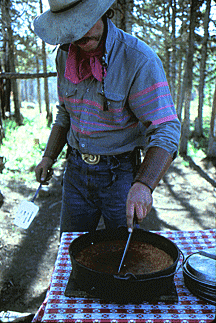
{"points": [[23, 146], [19, 146]]}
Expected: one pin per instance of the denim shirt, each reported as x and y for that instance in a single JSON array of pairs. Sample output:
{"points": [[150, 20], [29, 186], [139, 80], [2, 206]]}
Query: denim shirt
{"points": [[140, 112]]}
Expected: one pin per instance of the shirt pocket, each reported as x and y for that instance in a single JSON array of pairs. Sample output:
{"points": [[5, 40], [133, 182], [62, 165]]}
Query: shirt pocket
{"points": [[70, 100], [115, 101], [116, 115]]}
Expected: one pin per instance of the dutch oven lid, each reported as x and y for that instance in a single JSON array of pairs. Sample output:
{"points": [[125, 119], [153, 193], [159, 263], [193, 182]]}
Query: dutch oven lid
{"points": [[200, 274], [202, 266]]}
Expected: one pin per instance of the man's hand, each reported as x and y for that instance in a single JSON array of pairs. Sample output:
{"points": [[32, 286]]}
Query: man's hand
{"points": [[43, 170], [139, 202]]}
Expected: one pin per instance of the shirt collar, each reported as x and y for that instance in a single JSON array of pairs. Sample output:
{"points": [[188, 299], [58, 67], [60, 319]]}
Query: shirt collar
{"points": [[110, 39]]}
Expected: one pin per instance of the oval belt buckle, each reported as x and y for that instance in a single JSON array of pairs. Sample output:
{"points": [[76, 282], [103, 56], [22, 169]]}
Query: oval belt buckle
{"points": [[91, 159]]}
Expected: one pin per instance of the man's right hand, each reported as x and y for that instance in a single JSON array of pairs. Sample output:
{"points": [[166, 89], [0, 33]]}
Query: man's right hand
{"points": [[43, 170]]}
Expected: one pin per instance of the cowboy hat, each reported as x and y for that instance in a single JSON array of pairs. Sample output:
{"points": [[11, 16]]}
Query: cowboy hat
{"points": [[69, 20]]}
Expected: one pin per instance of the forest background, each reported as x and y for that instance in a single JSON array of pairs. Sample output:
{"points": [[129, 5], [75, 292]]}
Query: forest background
{"points": [[183, 34]]}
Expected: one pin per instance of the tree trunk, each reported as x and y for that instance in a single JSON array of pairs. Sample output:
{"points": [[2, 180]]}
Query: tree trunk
{"points": [[38, 85], [182, 39], [199, 131], [46, 90], [2, 135], [2, 95], [7, 18], [128, 10], [180, 58], [123, 18], [212, 136], [7, 86], [187, 80], [8, 82], [166, 23], [173, 61], [211, 147], [117, 19], [26, 91]]}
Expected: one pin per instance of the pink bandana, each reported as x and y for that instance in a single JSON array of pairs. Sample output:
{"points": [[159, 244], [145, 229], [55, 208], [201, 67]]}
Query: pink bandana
{"points": [[80, 65]]}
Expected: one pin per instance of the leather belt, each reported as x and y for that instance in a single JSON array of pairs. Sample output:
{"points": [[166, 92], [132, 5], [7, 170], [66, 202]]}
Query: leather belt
{"points": [[95, 159], [90, 159]]}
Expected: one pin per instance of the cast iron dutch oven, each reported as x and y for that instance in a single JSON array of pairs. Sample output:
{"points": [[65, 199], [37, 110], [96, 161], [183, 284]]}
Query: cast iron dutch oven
{"points": [[128, 287]]}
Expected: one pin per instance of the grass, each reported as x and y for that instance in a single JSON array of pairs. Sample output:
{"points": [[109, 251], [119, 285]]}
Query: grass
{"points": [[23, 146]]}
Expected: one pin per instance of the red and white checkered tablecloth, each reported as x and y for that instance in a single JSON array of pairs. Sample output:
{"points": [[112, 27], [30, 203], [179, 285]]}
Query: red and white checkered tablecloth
{"points": [[189, 309]]}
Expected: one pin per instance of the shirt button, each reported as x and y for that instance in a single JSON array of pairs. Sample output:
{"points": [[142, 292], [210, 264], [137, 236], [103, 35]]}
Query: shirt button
{"points": [[66, 93], [87, 90], [83, 145]]}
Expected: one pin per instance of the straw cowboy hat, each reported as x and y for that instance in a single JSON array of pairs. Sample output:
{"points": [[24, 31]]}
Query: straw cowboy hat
{"points": [[69, 20]]}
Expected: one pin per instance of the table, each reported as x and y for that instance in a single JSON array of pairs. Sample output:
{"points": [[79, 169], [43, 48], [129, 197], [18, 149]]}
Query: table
{"points": [[189, 309]]}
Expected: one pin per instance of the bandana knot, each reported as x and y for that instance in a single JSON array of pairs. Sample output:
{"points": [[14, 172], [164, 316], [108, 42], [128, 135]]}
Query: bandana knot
{"points": [[80, 65]]}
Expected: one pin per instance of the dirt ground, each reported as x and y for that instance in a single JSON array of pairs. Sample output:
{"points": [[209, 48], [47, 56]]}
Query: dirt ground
{"points": [[184, 200]]}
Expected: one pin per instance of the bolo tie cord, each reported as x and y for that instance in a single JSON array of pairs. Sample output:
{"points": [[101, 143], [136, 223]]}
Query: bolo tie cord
{"points": [[104, 65]]}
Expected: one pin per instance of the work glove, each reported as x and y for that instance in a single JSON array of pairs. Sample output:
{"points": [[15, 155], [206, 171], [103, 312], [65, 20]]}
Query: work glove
{"points": [[155, 164], [44, 171], [139, 202]]}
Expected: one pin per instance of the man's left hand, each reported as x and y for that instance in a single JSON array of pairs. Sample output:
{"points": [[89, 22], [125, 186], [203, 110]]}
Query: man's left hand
{"points": [[139, 202]]}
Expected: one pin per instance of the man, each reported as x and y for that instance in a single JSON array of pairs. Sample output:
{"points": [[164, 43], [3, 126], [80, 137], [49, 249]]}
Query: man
{"points": [[113, 99]]}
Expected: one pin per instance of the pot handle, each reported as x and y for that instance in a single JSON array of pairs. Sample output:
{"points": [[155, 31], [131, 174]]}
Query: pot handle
{"points": [[183, 260], [132, 276], [125, 277], [207, 254]]}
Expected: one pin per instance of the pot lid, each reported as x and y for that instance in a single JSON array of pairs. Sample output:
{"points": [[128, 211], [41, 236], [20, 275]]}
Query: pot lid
{"points": [[202, 265]]}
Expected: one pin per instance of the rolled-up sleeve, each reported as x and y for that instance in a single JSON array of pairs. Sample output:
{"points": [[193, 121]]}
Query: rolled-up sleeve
{"points": [[165, 135]]}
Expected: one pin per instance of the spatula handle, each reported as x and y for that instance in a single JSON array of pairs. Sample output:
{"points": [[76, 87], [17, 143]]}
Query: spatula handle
{"points": [[36, 193], [126, 247]]}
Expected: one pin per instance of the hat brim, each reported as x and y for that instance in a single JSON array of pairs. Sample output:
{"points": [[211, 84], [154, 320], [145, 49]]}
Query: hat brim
{"points": [[70, 25]]}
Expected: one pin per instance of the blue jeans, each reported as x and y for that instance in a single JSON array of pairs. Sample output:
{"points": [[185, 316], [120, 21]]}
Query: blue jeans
{"points": [[90, 191]]}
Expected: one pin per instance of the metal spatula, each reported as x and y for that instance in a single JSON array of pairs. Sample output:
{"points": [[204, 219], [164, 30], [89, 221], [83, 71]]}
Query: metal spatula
{"points": [[126, 247], [125, 251], [27, 212]]}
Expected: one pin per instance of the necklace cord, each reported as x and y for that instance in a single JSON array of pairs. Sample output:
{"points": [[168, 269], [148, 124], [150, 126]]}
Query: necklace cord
{"points": [[104, 66]]}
